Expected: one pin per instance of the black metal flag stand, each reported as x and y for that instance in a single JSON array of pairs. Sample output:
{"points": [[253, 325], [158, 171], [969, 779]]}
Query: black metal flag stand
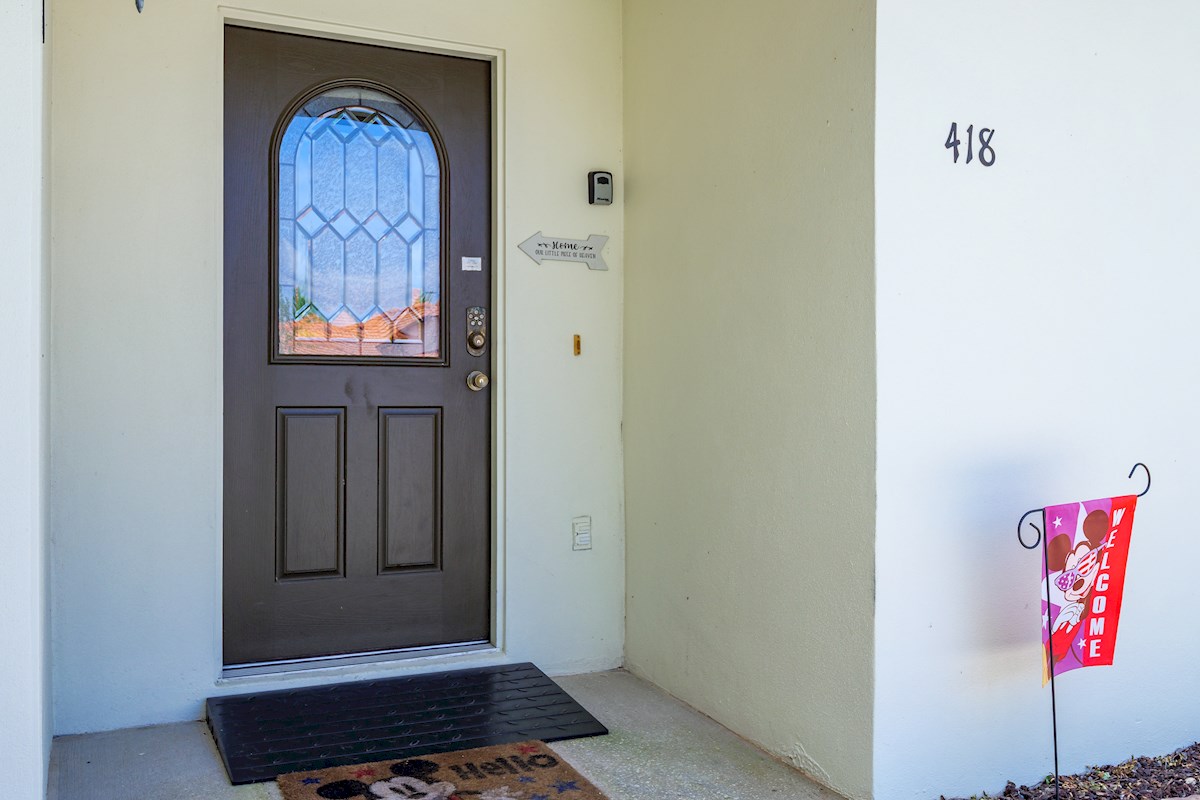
{"points": [[1041, 540]]}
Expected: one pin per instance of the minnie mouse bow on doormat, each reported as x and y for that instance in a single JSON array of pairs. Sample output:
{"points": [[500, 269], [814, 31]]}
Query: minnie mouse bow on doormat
{"points": [[1085, 547]]}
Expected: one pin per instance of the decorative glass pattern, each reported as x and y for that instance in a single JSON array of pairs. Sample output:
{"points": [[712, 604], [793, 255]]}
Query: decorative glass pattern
{"points": [[359, 267]]}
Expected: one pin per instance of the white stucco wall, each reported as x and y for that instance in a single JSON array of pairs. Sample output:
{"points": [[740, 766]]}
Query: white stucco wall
{"points": [[749, 405], [1036, 329], [24, 671], [137, 414]]}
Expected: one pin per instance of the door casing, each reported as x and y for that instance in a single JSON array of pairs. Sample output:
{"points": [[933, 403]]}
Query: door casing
{"points": [[461, 655]]}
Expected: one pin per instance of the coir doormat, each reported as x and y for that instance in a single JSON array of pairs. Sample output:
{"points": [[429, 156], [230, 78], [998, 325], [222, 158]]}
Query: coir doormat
{"points": [[524, 771]]}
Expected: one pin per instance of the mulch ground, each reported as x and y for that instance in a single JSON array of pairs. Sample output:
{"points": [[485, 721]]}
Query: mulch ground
{"points": [[1176, 775]]}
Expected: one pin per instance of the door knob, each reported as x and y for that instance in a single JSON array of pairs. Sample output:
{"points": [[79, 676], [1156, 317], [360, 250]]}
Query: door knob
{"points": [[476, 381], [476, 340]]}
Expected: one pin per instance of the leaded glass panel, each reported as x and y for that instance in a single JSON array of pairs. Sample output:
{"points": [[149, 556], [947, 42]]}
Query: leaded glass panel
{"points": [[359, 229]]}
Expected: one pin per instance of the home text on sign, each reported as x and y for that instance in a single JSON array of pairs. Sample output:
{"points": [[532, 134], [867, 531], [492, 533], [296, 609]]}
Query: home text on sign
{"points": [[552, 248]]}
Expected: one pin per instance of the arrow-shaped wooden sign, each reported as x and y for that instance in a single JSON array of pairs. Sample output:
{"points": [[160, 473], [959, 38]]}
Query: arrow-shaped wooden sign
{"points": [[550, 248]]}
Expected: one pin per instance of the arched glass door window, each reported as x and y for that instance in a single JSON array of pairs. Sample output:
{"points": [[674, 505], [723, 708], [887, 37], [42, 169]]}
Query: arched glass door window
{"points": [[359, 213]]}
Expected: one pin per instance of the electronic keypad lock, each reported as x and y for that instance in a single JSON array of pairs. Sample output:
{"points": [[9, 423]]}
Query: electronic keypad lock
{"points": [[476, 330]]}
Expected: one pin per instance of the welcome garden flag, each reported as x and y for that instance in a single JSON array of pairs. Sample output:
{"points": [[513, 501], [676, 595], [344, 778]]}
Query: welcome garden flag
{"points": [[1087, 546]]}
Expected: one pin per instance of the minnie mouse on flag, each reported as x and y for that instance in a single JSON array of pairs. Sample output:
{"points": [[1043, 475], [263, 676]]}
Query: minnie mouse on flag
{"points": [[1087, 546]]}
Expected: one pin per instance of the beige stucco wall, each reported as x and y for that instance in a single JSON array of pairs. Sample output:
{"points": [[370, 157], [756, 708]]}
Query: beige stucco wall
{"points": [[136, 412], [749, 369]]}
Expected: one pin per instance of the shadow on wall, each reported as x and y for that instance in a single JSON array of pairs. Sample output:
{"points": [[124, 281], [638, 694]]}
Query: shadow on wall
{"points": [[991, 574], [998, 578]]}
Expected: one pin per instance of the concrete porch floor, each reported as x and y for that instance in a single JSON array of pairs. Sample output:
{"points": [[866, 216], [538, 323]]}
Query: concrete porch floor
{"points": [[658, 749]]}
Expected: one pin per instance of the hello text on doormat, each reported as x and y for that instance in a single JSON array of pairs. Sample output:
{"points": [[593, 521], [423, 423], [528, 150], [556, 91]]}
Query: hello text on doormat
{"points": [[525, 771]]}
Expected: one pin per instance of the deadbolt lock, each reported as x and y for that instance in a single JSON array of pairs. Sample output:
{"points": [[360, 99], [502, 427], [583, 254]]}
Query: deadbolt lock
{"points": [[477, 381], [476, 330]]}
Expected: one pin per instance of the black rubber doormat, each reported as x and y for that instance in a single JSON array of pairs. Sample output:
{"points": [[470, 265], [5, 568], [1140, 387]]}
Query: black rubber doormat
{"points": [[267, 734]]}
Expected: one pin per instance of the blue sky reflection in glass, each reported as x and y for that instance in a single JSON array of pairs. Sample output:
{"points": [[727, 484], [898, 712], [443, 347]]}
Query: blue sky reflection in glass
{"points": [[359, 261]]}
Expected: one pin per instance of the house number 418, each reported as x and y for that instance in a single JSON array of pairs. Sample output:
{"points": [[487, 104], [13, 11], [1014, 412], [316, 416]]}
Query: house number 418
{"points": [[987, 156]]}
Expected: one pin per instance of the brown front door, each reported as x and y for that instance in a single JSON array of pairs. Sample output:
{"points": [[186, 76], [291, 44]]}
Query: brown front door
{"points": [[357, 292]]}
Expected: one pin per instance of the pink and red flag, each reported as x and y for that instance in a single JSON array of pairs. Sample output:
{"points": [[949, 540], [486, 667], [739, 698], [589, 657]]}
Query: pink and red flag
{"points": [[1087, 546]]}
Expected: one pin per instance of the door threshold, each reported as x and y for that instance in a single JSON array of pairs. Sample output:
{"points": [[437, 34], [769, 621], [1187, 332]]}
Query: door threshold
{"points": [[352, 659]]}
